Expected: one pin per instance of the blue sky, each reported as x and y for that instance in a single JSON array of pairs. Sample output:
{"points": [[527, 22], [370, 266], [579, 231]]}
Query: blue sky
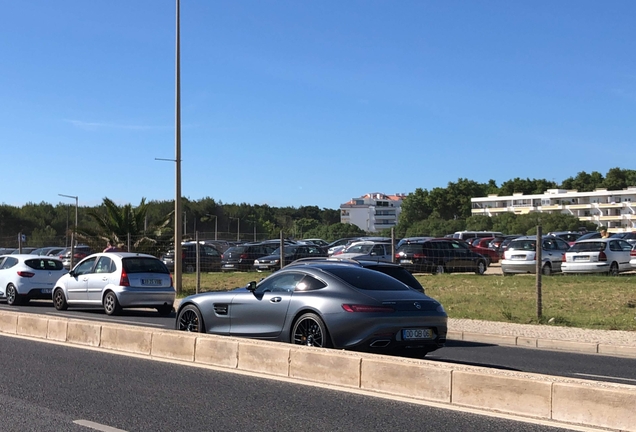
{"points": [[293, 103]]}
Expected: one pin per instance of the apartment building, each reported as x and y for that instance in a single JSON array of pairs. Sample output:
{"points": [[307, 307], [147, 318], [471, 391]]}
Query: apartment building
{"points": [[372, 212], [615, 209]]}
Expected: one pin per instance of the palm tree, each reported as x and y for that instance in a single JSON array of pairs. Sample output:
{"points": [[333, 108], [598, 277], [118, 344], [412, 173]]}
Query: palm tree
{"points": [[121, 224]]}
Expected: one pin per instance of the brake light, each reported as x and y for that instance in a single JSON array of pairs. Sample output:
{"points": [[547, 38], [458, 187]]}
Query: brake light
{"points": [[123, 280], [243, 256], [419, 256], [602, 256], [633, 253], [171, 283], [366, 308], [182, 255], [563, 258], [26, 274]]}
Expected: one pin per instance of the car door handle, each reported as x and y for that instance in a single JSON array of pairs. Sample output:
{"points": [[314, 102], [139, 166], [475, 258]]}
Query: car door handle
{"points": [[104, 278], [275, 300]]}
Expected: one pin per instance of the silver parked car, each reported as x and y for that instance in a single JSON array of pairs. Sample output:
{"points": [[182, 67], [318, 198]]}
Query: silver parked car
{"points": [[26, 277], [323, 304], [116, 280], [605, 255], [520, 256]]}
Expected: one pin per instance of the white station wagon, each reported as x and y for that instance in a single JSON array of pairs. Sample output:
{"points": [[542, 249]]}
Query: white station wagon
{"points": [[116, 280]]}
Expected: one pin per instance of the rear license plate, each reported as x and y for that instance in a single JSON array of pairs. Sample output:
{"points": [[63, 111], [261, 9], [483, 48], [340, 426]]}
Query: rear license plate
{"points": [[581, 258], [417, 334], [45, 290], [153, 282], [518, 257], [262, 267], [228, 265], [406, 262]]}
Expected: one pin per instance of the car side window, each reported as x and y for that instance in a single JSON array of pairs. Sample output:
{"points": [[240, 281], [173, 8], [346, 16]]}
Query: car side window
{"points": [[626, 246], [280, 283], [562, 244], [9, 262], [549, 245], [84, 267], [104, 265], [210, 251], [309, 283]]}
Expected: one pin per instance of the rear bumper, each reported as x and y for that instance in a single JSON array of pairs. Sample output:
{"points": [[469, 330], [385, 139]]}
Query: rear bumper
{"points": [[598, 267], [138, 297]]}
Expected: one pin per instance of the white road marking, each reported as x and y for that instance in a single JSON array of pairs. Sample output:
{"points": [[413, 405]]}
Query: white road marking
{"points": [[101, 319], [97, 426], [604, 376]]}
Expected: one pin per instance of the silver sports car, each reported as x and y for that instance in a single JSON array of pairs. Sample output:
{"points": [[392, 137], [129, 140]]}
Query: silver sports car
{"points": [[323, 304]]}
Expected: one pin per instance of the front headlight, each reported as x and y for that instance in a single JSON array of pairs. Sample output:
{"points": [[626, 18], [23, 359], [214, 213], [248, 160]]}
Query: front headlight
{"points": [[275, 261], [255, 261]]}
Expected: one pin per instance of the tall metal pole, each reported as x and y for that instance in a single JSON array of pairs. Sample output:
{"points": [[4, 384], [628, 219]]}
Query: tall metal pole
{"points": [[177, 197], [539, 269], [75, 197]]}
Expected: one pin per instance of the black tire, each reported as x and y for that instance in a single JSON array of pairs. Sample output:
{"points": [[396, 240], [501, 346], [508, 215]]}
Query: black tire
{"points": [[481, 268], [439, 269], [310, 330], [59, 300], [13, 298], [546, 270], [111, 304], [613, 271], [165, 310], [190, 320], [190, 268]]}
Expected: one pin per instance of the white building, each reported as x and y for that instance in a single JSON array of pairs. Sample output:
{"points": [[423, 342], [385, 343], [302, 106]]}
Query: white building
{"points": [[615, 210], [372, 212]]}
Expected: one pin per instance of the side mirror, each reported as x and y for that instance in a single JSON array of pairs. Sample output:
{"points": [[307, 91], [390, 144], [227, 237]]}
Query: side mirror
{"points": [[71, 273], [251, 286]]}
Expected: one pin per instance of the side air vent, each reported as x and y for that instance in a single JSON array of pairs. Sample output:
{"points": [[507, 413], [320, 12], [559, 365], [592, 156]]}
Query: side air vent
{"points": [[220, 309]]}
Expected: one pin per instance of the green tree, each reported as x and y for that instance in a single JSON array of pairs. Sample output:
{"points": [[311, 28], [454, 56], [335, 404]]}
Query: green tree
{"points": [[583, 182]]}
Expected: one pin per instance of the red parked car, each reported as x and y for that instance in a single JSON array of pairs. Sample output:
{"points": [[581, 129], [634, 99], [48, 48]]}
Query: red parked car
{"points": [[481, 247]]}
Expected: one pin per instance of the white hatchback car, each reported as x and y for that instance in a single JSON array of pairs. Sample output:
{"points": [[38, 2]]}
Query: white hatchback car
{"points": [[609, 255], [26, 277], [116, 280]]}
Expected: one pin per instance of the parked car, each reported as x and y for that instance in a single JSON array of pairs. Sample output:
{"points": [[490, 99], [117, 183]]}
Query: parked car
{"points": [[590, 235], [339, 245], [481, 247], [317, 241], [465, 235], [393, 270], [26, 277], [49, 250], [117, 280], [632, 256], [441, 255], [271, 262], [241, 258], [608, 255], [629, 237], [520, 257], [322, 305], [368, 250], [209, 257], [23, 251], [569, 236], [79, 252]]}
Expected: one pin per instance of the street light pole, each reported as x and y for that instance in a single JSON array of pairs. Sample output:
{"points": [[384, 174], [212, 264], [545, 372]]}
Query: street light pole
{"points": [[74, 228], [238, 228], [177, 197]]}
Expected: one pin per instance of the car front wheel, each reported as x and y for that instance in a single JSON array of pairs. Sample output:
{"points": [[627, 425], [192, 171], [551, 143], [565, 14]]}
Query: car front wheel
{"points": [[439, 269], [59, 300], [190, 320], [481, 268], [310, 330]]}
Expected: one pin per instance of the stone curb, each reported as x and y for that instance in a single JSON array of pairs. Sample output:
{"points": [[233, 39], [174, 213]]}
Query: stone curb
{"points": [[563, 400]]}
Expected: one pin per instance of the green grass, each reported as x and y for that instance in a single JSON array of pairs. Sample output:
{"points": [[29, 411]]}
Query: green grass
{"points": [[596, 302]]}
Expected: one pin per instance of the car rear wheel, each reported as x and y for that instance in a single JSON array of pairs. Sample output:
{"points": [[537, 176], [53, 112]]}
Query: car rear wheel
{"points": [[439, 269], [190, 320], [310, 330], [547, 270], [13, 298], [59, 300], [165, 310], [481, 267], [613, 271], [111, 304]]}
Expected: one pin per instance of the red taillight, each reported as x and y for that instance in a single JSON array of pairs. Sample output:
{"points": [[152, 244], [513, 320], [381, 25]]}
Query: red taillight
{"points": [[602, 256], [397, 256], [633, 253], [182, 255], [123, 280], [366, 308], [419, 256], [563, 258], [171, 283], [243, 256], [26, 274]]}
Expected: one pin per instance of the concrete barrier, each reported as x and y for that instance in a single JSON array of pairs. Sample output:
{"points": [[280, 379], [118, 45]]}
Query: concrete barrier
{"points": [[569, 401]]}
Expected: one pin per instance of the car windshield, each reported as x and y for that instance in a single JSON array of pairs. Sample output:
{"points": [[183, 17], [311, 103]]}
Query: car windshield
{"points": [[144, 265], [528, 245], [288, 250], [365, 279], [588, 247], [359, 248]]}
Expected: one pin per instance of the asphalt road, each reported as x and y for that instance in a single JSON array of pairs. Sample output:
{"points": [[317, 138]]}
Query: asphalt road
{"points": [[48, 387], [559, 363]]}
